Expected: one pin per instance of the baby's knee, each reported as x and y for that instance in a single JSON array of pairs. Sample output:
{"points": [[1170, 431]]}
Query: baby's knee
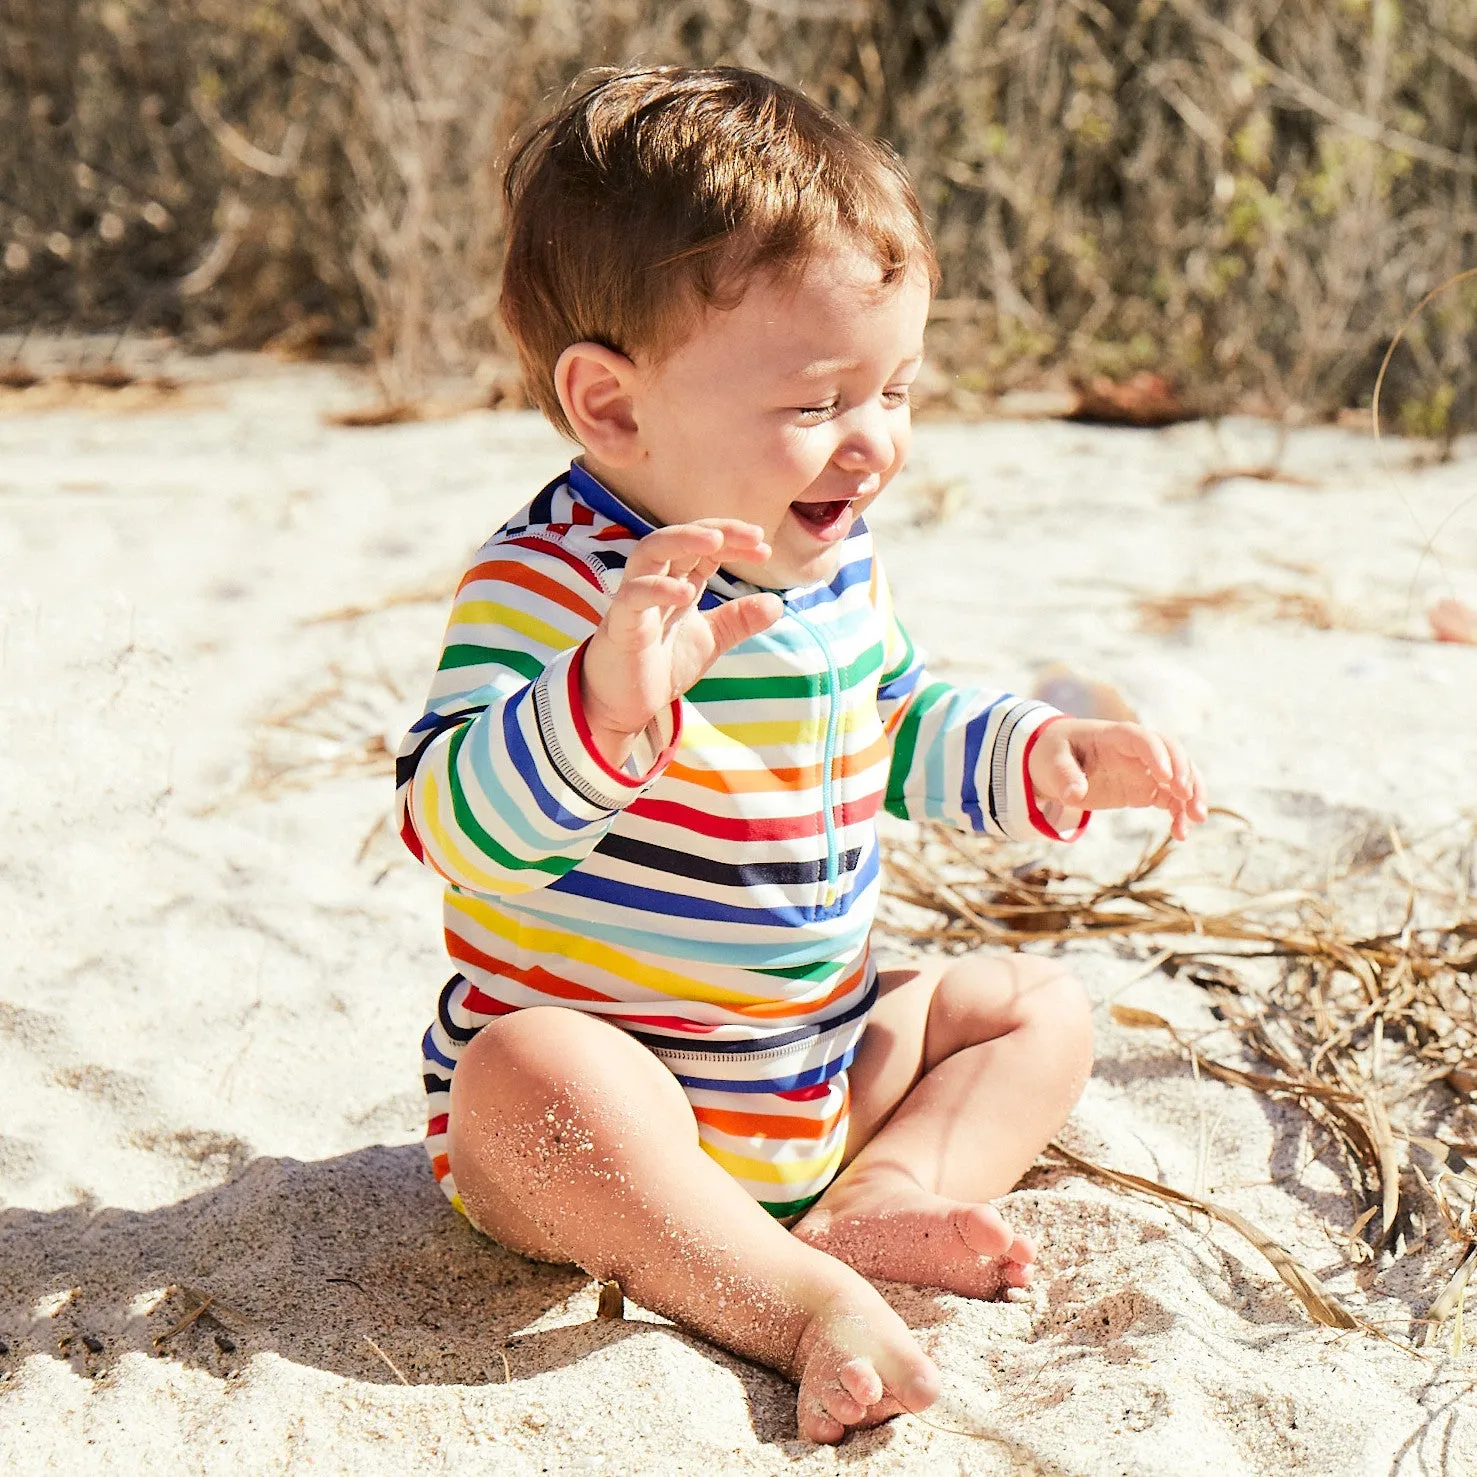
{"points": [[1062, 1007], [1019, 991], [548, 1059]]}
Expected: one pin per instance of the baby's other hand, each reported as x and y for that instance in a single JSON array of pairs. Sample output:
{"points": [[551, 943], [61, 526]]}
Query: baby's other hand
{"points": [[1090, 764]]}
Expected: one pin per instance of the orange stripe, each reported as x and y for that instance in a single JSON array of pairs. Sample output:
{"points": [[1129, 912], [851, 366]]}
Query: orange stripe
{"points": [[530, 579], [752, 781], [440, 1167], [536, 978], [765, 1125], [779, 1009]]}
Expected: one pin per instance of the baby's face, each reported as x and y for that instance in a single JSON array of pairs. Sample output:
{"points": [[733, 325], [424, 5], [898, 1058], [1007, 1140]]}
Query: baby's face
{"points": [[789, 410]]}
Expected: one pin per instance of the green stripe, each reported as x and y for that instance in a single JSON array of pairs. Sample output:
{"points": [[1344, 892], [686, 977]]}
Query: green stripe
{"points": [[555, 866], [783, 1210], [893, 673], [761, 689], [905, 743], [460, 655], [820, 970]]}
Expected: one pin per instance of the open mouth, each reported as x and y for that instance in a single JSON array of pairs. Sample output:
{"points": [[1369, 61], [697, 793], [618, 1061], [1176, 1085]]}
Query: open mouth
{"points": [[826, 519]]}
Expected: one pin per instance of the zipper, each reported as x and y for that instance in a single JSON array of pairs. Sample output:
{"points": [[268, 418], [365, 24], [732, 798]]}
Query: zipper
{"points": [[833, 683]]}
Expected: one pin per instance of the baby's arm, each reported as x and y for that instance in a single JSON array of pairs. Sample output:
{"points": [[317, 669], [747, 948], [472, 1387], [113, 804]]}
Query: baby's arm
{"points": [[499, 787], [1014, 766], [555, 704]]}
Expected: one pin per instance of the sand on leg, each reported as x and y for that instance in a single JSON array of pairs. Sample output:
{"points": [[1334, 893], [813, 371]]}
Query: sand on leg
{"points": [[966, 1071], [571, 1142]]}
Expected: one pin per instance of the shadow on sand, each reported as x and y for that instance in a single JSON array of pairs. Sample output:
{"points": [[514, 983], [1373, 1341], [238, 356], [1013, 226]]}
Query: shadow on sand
{"points": [[322, 1263]]}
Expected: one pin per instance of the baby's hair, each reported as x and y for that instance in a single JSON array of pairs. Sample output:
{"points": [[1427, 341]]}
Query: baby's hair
{"points": [[652, 195]]}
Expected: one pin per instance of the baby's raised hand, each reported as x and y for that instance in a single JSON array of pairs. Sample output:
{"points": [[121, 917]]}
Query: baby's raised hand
{"points": [[654, 642], [1089, 764]]}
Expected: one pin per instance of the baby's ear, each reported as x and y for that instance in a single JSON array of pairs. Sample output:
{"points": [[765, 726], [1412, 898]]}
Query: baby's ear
{"points": [[595, 387]]}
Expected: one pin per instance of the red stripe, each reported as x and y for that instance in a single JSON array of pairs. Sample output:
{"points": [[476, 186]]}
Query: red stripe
{"points": [[411, 840], [753, 828], [666, 1023], [551, 546], [475, 1000], [437, 1125], [727, 828], [806, 1094], [582, 727]]}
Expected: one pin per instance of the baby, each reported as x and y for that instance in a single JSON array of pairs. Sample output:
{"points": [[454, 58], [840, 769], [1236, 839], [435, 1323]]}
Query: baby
{"points": [[672, 698]]}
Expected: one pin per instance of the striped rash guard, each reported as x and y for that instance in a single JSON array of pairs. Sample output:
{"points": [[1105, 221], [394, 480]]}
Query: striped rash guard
{"points": [[714, 897]]}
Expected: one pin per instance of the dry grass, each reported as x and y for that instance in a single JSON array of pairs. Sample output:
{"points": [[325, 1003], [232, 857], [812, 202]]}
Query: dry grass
{"points": [[1370, 1030], [336, 732], [1165, 614], [1241, 199]]}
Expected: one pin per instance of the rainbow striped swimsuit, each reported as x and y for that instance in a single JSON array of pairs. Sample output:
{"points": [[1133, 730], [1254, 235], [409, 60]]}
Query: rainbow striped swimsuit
{"points": [[714, 898]]}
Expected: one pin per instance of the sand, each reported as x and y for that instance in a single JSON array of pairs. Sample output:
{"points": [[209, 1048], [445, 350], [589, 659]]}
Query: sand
{"points": [[215, 614]]}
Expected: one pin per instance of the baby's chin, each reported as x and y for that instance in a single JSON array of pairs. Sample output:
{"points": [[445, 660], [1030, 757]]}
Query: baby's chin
{"points": [[783, 573]]}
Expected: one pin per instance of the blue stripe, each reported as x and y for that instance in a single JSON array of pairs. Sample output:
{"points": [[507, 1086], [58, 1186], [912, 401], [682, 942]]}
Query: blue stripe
{"points": [[811, 1077], [523, 762], [974, 736], [495, 792], [665, 947], [855, 573], [433, 1053]]}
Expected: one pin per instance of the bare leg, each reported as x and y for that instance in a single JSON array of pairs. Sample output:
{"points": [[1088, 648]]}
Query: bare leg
{"points": [[965, 1073], [571, 1142]]}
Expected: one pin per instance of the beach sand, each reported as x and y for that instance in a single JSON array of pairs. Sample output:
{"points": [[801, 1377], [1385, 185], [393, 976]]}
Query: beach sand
{"points": [[217, 616]]}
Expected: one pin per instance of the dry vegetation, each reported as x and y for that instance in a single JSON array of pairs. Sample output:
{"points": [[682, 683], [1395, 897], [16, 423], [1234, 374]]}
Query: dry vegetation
{"points": [[1351, 997], [1246, 197]]}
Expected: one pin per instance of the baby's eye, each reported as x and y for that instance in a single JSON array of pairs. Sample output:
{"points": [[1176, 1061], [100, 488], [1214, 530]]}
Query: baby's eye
{"points": [[898, 396], [814, 414]]}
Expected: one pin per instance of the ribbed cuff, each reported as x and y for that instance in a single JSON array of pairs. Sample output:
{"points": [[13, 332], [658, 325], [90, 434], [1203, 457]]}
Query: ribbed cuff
{"points": [[571, 747], [1051, 819]]}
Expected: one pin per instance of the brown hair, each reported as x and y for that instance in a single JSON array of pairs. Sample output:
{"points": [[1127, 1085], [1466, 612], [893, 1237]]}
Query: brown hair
{"points": [[652, 194]]}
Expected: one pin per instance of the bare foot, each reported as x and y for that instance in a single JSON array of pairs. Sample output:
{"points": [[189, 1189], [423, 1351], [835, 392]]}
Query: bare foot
{"points": [[885, 1225], [857, 1364]]}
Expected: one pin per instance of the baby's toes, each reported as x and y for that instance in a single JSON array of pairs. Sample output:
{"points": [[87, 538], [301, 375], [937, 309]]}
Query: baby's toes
{"points": [[842, 1407], [861, 1382], [817, 1424], [983, 1230], [1022, 1250], [1016, 1274]]}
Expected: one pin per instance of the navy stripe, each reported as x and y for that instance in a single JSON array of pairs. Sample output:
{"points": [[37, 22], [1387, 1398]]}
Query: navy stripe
{"points": [[720, 874], [759, 1043], [433, 725]]}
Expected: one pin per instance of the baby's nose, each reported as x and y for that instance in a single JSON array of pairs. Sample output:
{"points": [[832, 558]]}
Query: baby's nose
{"points": [[868, 445]]}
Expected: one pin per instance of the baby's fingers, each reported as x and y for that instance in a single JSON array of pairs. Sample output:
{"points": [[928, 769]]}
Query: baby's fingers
{"points": [[1153, 750], [685, 544], [652, 592]]}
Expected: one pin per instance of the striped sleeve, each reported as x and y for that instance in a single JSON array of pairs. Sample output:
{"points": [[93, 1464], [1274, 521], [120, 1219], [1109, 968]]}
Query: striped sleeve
{"points": [[959, 753], [499, 786]]}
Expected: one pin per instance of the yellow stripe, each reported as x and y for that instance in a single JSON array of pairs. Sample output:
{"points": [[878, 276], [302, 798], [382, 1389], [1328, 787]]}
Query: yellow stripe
{"points": [[789, 1172], [596, 955], [699, 732], [430, 815], [490, 613]]}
